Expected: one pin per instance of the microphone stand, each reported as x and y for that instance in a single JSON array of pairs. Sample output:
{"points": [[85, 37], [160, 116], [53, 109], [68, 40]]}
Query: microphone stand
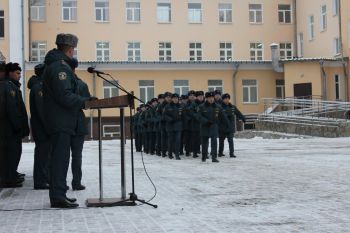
{"points": [[133, 198]]}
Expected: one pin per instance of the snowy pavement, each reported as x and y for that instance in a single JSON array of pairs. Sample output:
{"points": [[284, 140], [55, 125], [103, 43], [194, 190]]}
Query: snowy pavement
{"points": [[288, 185]]}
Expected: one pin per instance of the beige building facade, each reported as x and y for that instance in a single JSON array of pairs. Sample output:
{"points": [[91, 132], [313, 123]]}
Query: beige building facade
{"points": [[153, 46]]}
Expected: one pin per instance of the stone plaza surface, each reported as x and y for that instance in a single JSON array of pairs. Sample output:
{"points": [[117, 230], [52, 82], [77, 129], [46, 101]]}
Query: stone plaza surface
{"points": [[284, 185]]}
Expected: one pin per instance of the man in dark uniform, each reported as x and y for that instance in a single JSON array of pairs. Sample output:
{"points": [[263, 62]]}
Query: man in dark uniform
{"points": [[147, 128], [157, 125], [217, 97], [2, 122], [164, 135], [17, 127], [151, 116], [173, 116], [136, 132], [39, 133], [210, 114], [62, 104], [227, 131], [185, 125], [196, 140], [187, 122], [78, 139], [142, 127]]}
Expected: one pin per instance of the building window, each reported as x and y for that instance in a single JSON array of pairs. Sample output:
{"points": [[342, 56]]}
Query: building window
{"points": [[323, 17], [225, 51], [225, 12], [181, 87], [111, 131], [255, 13], [164, 12], [102, 51], [133, 12], [38, 51], [69, 10], [196, 53], [256, 51], [280, 89], [301, 44], [37, 10], [102, 10], [195, 12], [285, 13], [311, 27], [146, 90], [164, 51], [109, 90], [215, 85], [286, 51], [336, 7], [337, 46], [2, 24], [337, 86], [134, 51], [250, 91]]}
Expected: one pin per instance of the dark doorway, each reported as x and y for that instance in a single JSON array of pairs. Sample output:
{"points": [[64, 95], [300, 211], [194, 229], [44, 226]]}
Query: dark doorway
{"points": [[303, 90]]}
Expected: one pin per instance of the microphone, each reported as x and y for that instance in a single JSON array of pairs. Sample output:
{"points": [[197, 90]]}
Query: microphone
{"points": [[92, 70]]}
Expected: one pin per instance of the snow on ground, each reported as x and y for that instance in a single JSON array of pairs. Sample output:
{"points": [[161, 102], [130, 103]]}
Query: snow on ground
{"points": [[287, 185]]}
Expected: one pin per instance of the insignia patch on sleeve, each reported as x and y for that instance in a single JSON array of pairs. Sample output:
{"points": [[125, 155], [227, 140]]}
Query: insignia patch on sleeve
{"points": [[13, 93], [62, 76], [40, 93]]}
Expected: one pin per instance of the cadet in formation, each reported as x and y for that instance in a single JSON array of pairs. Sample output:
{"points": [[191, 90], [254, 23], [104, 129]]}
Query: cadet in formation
{"points": [[2, 122]]}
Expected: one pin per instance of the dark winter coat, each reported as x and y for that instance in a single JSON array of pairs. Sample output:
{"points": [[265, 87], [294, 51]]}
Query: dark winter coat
{"points": [[209, 116], [173, 116], [62, 101], [231, 112]]}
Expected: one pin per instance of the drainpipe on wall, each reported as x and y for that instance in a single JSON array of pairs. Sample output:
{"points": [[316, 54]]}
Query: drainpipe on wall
{"points": [[23, 53], [344, 62], [295, 29], [234, 97], [324, 81], [277, 66]]}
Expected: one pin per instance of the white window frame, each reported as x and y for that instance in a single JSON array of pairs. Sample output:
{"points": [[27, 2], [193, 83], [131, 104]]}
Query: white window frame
{"points": [[323, 18], [104, 11], [184, 89], [165, 56], [38, 10], [212, 87], [311, 27], [191, 13], [111, 134], [255, 13], [134, 57], [4, 25], [163, 10], [41, 47], [225, 50], [71, 10], [249, 87], [196, 50], [256, 50], [336, 5], [103, 50], [110, 89], [134, 11], [336, 46], [225, 12], [284, 14], [286, 50], [146, 87]]}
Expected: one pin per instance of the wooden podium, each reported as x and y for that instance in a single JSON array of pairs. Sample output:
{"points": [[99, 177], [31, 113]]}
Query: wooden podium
{"points": [[120, 102]]}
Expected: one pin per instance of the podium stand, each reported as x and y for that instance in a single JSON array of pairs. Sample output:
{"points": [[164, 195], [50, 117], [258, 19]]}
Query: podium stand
{"points": [[120, 102]]}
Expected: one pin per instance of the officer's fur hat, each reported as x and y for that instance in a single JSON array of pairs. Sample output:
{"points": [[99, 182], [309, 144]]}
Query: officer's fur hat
{"points": [[39, 69], [191, 92], [199, 93], [154, 100], [209, 94], [11, 67], [161, 96], [67, 39], [175, 95], [167, 94], [226, 96], [217, 92]]}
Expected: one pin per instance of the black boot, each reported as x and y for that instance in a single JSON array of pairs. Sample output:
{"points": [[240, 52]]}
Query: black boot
{"points": [[214, 160], [171, 156], [233, 156]]}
